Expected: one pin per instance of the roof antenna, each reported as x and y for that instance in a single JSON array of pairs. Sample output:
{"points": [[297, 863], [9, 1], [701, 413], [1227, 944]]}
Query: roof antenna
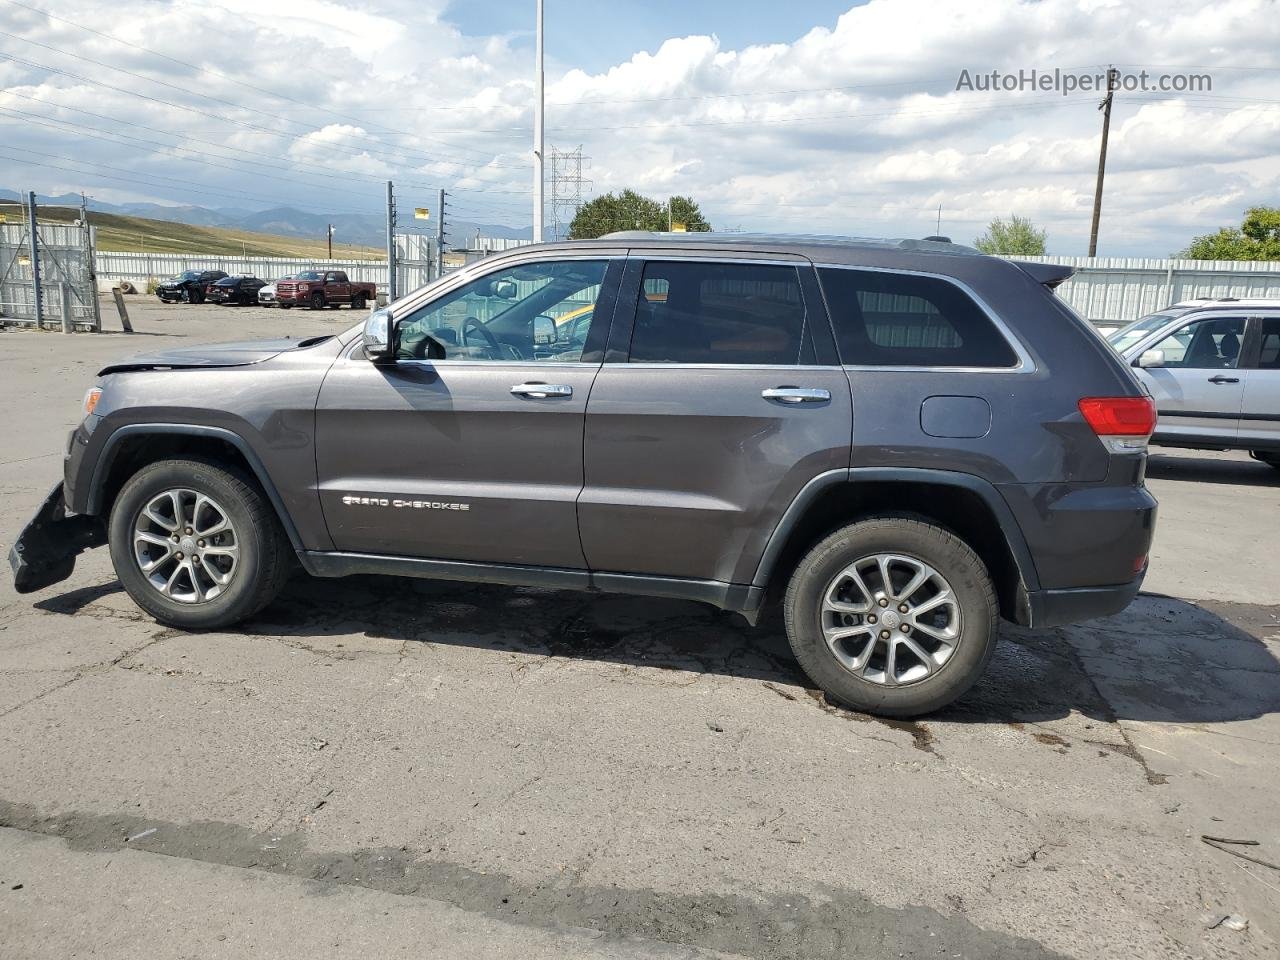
{"points": [[938, 237]]}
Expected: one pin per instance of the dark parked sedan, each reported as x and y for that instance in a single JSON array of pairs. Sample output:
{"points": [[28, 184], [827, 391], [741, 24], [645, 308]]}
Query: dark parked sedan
{"points": [[189, 285], [235, 290]]}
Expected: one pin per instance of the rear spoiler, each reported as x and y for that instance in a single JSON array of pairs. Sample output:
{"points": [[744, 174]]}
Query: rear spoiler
{"points": [[1050, 274]]}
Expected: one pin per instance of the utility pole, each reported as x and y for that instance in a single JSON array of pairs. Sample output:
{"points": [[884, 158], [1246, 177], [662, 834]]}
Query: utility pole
{"points": [[1105, 107], [36, 292], [329, 235], [537, 131], [391, 243], [440, 238]]}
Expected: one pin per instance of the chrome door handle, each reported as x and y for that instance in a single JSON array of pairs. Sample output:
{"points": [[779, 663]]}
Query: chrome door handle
{"points": [[796, 394], [1221, 379], [542, 391]]}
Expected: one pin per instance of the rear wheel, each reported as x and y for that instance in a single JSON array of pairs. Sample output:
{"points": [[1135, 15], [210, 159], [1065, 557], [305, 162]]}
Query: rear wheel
{"points": [[317, 301], [197, 545], [358, 303], [893, 616]]}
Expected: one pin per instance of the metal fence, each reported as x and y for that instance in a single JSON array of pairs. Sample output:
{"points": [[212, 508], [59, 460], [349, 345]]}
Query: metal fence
{"points": [[1112, 290], [64, 258], [416, 265]]}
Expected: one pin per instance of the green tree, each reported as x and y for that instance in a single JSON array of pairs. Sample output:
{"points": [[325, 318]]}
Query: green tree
{"points": [[1257, 238], [1015, 236], [629, 210]]}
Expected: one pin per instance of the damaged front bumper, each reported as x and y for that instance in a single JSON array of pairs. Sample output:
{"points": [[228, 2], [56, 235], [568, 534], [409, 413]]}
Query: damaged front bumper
{"points": [[46, 550]]}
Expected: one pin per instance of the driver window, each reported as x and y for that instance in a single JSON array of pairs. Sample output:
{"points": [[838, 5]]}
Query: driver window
{"points": [[1204, 344], [534, 311]]}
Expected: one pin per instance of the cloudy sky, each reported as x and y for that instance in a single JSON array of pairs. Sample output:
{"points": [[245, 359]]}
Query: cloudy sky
{"points": [[809, 116]]}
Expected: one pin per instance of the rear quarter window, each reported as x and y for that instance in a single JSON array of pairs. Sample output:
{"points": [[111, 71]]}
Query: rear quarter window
{"points": [[899, 319]]}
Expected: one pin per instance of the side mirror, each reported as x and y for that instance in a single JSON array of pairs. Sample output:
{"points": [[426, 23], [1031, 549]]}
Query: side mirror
{"points": [[377, 337], [1151, 358], [544, 330], [503, 289]]}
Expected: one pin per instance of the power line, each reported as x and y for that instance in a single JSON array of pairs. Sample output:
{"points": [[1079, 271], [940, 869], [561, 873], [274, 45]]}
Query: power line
{"points": [[208, 115], [83, 130], [201, 69]]}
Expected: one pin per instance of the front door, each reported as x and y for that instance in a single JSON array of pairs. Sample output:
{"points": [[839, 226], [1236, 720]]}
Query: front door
{"points": [[476, 456], [708, 418], [1198, 386]]}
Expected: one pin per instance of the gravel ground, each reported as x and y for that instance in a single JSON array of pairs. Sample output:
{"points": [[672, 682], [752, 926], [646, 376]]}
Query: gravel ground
{"points": [[392, 767]]}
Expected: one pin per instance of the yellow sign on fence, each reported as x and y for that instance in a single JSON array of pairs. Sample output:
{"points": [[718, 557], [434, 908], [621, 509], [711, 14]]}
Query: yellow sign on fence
{"points": [[421, 213]]}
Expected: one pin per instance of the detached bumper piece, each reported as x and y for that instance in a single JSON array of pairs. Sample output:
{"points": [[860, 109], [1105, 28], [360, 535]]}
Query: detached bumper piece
{"points": [[45, 552]]}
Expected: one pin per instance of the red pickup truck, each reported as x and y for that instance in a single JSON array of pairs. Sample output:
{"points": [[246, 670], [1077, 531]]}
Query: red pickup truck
{"points": [[318, 289]]}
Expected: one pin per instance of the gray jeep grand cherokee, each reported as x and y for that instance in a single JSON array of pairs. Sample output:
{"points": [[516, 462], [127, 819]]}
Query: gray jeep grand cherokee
{"points": [[904, 440]]}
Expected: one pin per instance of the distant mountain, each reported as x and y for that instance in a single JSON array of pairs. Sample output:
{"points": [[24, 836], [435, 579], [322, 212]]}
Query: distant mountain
{"points": [[364, 229]]}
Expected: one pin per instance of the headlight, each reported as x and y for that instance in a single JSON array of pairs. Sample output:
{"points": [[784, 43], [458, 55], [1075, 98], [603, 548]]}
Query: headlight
{"points": [[91, 399]]}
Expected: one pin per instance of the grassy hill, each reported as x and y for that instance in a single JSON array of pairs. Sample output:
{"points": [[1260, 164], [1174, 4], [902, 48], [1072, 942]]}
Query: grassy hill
{"points": [[121, 232]]}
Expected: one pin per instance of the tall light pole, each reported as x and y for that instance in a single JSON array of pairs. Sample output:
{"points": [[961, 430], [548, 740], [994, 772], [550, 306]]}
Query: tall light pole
{"points": [[537, 132]]}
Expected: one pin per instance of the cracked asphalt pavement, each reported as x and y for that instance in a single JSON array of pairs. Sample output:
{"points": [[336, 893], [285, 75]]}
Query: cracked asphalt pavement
{"points": [[386, 767]]}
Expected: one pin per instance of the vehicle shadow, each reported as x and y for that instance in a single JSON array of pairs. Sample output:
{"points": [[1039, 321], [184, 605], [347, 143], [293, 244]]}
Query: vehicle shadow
{"points": [[1163, 659], [1249, 473]]}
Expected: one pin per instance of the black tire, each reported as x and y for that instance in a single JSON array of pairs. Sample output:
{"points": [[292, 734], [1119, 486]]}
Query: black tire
{"points": [[1269, 457], [317, 301], [265, 560], [285, 306], [920, 541], [358, 303]]}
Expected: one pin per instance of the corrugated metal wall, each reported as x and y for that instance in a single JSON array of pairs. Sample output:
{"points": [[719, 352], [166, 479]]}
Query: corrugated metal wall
{"points": [[1120, 289]]}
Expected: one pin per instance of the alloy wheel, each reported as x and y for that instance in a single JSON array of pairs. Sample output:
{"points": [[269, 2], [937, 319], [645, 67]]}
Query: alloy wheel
{"points": [[185, 545], [891, 619]]}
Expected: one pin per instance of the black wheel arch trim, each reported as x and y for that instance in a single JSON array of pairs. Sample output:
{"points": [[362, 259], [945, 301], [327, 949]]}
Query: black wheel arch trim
{"points": [[916, 475], [111, 447]]}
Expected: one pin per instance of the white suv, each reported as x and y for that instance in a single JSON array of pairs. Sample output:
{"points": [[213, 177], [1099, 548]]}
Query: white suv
{"points": [[1213, 367]]}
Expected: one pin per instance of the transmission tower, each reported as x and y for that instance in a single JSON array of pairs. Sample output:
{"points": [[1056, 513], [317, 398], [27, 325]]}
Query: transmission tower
{"points": [[567, 186]]}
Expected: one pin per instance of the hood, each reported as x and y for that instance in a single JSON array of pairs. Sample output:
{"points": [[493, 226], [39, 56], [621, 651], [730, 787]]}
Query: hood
{"points": [[210, 355]]}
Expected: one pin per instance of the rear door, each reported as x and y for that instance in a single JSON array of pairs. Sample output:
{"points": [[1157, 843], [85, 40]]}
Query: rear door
{"points": [[476, 456], [719, 399], [1198, 388], [1260, 409]]}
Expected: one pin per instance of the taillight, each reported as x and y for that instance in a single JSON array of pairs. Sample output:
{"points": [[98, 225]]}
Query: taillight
{"points": [[1123, 424]]}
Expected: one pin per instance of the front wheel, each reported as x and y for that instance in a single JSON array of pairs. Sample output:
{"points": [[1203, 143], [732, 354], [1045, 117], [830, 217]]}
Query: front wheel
{"points": [[317, 301], [1269, 457], [197, 545], [892, 616]]}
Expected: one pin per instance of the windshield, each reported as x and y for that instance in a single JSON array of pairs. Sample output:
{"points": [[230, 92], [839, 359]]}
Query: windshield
{"points": [[1127, 336], [227, 282], [189, 275], [310, 275]]}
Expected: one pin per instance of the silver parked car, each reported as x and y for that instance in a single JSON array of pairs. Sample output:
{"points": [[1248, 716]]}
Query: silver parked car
{"points": [[267, 295], [1213, 367]]}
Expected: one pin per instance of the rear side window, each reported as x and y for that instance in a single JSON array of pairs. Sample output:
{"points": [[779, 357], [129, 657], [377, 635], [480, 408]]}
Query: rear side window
{"points": [[898, 319], [1269, 359], [730, 313]]}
